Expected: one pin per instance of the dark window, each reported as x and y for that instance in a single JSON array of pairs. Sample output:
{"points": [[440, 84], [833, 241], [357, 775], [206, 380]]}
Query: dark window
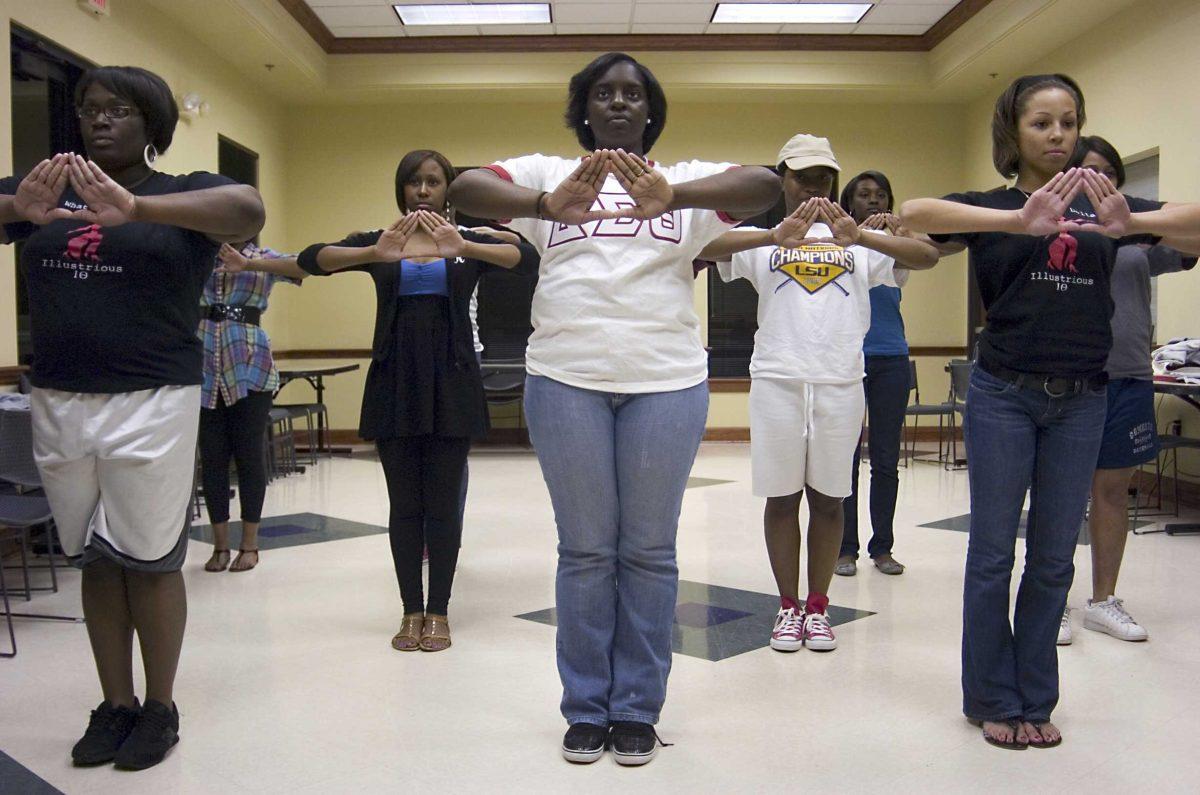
{"points": [[237, 162], [43, 123], [733, 313], [505, 305]]}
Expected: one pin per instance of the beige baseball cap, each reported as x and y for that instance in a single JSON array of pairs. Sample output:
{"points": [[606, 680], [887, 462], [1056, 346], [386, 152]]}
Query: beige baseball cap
{"points": [[805, 151]]}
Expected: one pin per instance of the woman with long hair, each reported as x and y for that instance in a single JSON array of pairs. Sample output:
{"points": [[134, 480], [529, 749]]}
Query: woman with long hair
{"points": [[1043, 253]]}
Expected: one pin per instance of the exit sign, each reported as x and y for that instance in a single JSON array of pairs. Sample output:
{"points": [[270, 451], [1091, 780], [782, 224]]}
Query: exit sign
{"points": [[98, 7]]}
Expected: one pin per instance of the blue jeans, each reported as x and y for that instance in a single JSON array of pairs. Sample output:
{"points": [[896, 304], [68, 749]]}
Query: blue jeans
{"points": [[1019, 440], [616, 466]]}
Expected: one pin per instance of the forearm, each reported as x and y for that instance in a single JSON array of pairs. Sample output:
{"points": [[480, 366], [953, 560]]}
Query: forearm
{"points": [[907, 252], [335, 258], [740, 192], [1189, 245], [938, 216], [503, 254], [485, 194], [734, 241], [1172, 220], [8, 210], [279, 266], [231, 213]]}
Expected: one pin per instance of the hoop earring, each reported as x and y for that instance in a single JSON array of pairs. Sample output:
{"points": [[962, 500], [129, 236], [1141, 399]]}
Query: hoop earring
{"points": [[150, 155], [586, 123], [649, 120]]}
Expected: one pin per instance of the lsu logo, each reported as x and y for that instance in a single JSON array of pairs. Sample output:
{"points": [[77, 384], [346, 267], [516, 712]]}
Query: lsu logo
{"points": [[812, 266]]}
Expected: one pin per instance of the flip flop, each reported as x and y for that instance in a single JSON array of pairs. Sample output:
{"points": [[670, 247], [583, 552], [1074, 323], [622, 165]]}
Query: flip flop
{"points": [[1038, 725], [990, 740], [242, 552], [219, 566]]}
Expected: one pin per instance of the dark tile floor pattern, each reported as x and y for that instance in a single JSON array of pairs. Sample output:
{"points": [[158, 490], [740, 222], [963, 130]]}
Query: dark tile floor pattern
{"points": [[16, 778], [715, 623], [962, 524], [293, 530]]}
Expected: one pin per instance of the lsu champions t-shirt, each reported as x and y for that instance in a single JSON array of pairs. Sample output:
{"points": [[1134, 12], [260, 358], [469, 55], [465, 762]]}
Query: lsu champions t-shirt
{"points": [[613, 306], [116, 308], [814, 306]]}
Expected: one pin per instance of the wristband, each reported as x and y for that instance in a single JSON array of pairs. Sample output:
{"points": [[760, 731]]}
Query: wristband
{"points": [[538, 206]]}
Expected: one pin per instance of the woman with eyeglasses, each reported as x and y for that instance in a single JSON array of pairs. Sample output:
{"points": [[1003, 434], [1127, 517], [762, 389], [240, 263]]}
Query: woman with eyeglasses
{"points": [[116, 256]]}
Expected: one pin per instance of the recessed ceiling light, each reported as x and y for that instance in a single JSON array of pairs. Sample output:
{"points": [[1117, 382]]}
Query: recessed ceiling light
{"points": [[790, 13], [475, 14]]}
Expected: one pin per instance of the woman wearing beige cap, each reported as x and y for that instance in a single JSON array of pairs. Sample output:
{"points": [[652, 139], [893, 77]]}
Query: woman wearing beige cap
{"points": [[813, 273]]}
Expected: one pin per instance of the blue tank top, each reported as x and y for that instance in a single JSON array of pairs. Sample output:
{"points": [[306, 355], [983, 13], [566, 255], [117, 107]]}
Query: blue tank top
{"points": [[885, 337], [423, 278]]}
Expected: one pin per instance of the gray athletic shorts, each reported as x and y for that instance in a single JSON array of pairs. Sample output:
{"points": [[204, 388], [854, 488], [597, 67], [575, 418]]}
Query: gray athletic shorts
{"points": [[118, 470]]}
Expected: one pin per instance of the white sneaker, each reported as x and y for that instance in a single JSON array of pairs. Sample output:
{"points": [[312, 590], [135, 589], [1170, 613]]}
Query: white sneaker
{"points": [[818, 635], [1064, 628], [788, 634], [1110, 617]]}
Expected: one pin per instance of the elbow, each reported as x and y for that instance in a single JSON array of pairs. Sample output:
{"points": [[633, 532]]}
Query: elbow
{"points": [[766, 188], [251, 213], [910, 215]]}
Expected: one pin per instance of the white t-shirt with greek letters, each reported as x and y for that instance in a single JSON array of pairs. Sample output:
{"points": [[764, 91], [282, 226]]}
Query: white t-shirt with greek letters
{"points": [[613, 306]]}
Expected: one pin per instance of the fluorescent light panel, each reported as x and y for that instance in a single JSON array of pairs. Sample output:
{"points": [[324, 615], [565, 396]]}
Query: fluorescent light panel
{"points": [[790, 13], [475, 14]]}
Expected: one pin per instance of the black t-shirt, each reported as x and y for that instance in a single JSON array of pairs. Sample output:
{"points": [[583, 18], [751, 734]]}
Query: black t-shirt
{"points": [[1048, 299], [116, 308]]}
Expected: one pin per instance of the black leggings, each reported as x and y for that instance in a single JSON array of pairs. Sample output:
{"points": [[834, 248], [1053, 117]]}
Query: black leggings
{"points": [[238, 431], [424, 478]]}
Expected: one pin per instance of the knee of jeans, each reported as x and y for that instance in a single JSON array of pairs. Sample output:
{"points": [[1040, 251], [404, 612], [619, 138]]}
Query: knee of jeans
{"points": [[991, 566], [648, 557]]}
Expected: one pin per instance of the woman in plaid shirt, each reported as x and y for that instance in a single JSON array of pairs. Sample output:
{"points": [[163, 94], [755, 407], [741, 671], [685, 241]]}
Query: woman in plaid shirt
{"points": [[239, 381]]}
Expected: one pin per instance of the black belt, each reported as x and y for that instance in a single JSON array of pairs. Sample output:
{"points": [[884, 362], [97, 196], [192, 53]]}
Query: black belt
{"points": [[238, 314], [1053, 385]]}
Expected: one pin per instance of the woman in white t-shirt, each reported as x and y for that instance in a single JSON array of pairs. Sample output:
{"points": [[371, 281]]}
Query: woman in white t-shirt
{"points": [[617, 393], [812, 272]]}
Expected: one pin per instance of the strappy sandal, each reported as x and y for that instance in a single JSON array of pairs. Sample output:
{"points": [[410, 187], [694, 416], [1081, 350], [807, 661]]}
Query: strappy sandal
{"points": [[1038, 724], [233, 566], [1015, 725], [409, 636], [216, 563], [435, 634]]}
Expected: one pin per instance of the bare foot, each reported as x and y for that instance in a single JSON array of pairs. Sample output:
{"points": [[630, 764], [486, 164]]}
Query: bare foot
{"points": [[1005, 733], [246, 560], [219, 560], [1042, 733]]}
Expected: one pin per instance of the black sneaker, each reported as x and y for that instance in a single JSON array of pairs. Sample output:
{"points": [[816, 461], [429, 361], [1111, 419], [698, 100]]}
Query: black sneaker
{"points": [[634, 743], [584, 742], [156, 732], [108, 727]]}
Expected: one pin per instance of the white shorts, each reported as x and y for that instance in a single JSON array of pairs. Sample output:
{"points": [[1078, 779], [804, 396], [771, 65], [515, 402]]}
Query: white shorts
{"points": [[803, 434], [118, 470]]}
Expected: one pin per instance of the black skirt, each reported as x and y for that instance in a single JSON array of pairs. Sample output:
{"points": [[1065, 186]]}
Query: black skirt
{"points": [[418, 388]]}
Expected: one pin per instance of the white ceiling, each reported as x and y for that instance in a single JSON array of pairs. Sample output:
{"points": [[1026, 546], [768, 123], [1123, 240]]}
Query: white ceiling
{"points": [[376, 18]]}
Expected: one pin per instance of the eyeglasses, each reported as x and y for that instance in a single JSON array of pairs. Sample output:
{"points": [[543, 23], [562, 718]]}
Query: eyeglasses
{"points": [[111, 112]]}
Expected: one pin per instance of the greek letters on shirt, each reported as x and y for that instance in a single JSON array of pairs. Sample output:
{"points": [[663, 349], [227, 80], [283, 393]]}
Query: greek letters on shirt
{"points": [[667, 227]]}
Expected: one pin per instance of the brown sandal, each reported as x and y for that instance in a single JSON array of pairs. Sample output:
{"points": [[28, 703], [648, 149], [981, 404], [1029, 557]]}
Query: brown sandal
{"points": [[435, 634], [409, 636], [234, 566], [216, 563]]}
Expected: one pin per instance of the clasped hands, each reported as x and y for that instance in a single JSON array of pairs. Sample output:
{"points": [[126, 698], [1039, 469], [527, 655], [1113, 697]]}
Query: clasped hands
{"points": [[792, 231], [38, 195], [1044, 209], [418, 234], [571, 202]]}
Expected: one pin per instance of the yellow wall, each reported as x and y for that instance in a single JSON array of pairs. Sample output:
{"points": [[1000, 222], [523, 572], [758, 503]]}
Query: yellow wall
{"points": [[340, 179], [1135, 71], [138, 34]]}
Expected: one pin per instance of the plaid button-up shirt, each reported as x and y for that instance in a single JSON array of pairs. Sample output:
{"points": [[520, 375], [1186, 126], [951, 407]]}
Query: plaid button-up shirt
{"points": [[237, 356]]}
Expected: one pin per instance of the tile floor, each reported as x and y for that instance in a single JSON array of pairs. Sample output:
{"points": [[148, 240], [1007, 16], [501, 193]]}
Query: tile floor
{"points": [[288, 682]]}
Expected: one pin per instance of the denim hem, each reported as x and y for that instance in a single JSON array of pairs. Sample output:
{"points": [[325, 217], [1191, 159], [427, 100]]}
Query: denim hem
{"points": [[990, 719], [634, 718], [572, 720]]}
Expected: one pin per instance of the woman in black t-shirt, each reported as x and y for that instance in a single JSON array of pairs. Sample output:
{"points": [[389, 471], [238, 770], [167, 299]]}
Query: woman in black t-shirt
{"points": [[423, 402], [1043, 253], [116, 255]]}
